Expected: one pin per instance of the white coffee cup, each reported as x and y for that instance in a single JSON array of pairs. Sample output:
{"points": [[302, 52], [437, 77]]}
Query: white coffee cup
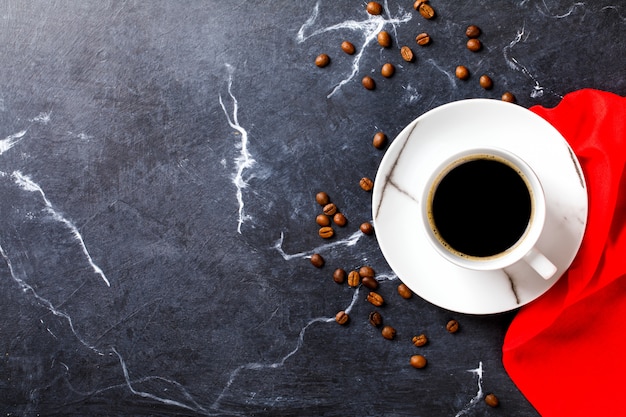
{"points": [[475, 181]]}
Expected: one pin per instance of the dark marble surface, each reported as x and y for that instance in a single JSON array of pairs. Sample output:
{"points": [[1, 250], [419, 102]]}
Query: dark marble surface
{"points": [[158, 166]]}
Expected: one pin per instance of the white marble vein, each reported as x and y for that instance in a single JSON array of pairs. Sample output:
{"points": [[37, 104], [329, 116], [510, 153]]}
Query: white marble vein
{"points": [[192, 406], [258, 366], [546, 12], [43, 117], [479, 394], [349, 241], [27, 184], [11, 140], [369, 29], [244, 160], [514, 64], [447, 73], [25, 287], [616, 9]]}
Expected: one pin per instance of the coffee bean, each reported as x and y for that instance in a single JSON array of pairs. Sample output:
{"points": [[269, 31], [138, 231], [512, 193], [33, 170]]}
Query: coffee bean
{"points": [[474, 45], [418, 361], [348, 47], [342, 317], [387, 70], [354, 279], [340, 220], [369, 282], [374, 8], [419, 340], [388, 332], [322, 60], [339, 276], [423, 39], [368, 82], [406, 53], [317, 260], [452, 326], [384, 39], [462, 72], [367, 271], [326, 232], [485, 82], [330, 209], [472, 31], [322, 198], [366, 184], [375, 319], [375, 299], [322, 220], [508, 97], [380, 140], [404, 291], [426, 11], [492, 400], [366, 228]]}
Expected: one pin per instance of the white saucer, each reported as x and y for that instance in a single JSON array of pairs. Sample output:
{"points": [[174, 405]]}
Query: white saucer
{"points": [[425, 144]]}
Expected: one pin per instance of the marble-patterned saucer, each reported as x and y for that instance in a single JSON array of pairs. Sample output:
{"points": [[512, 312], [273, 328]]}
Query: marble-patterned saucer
{"points": [[420, 148]]}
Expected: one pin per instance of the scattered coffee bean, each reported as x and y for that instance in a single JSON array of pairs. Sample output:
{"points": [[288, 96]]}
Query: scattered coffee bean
{"points": [[322, 198], [339, 276], [508, 97], [367, 271], [384, 39], [492, 400], [474, 45], [369, 282], [330, 209], [326, 232], [485, 82], [418, 361], [462, 73], [472, 31], [340, 220], [419, 340], [375, 319], [322, 60], [368, 82], [342, 317], [423, 39], [426, 11], [322, 220], [452, 326], [406, 53], [387, 70], [388, 332], [354, 279], [404, 291], [375, 299], [317, 260], [366, 184], [374, 8], [348, 47], [366, 228], [380, 140]]}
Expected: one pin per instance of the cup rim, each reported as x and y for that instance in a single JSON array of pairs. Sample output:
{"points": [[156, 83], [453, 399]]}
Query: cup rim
{"points": [[531, 234]]}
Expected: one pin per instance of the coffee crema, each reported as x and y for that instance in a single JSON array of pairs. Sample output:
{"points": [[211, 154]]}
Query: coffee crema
{"points": [[481, 207]]}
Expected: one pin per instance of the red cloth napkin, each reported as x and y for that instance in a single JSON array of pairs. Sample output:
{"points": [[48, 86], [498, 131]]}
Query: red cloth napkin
{"points": [[566, 351]]}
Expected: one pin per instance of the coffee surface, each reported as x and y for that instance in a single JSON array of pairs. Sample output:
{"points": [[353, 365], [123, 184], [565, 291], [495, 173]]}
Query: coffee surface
{"points": [[481, 207]]}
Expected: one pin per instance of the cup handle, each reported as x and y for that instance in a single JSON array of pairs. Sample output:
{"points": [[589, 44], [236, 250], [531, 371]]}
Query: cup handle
{"points": [[540, 263]]}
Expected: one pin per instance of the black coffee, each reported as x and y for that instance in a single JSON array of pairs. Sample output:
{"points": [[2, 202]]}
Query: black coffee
{"points": [[481, 207]]}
